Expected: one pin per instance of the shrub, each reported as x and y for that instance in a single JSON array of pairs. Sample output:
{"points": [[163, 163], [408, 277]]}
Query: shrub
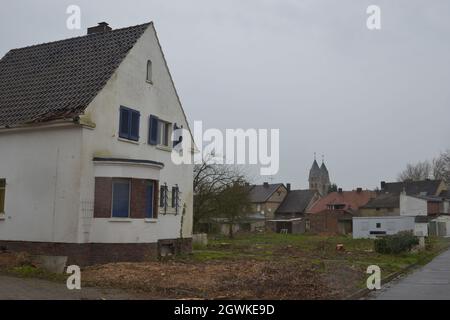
{"points": [[397, 243]]}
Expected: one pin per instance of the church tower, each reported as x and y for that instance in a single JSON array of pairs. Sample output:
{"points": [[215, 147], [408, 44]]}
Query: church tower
{"points": [[319, 178]]}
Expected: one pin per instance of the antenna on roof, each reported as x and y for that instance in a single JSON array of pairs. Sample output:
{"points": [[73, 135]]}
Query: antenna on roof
{"points": [[314, 156], [323, 158]]}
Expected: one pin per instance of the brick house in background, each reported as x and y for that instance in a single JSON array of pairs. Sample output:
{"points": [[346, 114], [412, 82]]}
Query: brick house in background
{"points": [[85, 134], [333, 214]]}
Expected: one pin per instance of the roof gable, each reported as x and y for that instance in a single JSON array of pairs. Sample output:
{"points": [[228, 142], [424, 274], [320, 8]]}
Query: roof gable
{"points": [[261, 193], [384, 201], [296, 201], [59, 79]]}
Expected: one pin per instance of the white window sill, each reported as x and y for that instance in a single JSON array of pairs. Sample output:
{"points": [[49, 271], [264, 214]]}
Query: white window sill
{"points": [[2, 216], [164, 148], [120, 220], [151, 220], [129, 141]]}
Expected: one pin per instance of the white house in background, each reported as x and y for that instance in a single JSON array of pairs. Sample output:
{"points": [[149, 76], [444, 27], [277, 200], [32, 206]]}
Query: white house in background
{"points": [[372, 227], [85, 140], [424, 209]]}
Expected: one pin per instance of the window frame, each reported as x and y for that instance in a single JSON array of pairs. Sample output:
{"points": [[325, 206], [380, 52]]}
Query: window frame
{"points": [[3, 191], [151, 203], [176, 197], [163, 197], [114, 180], [164, 133], [129, 135]]}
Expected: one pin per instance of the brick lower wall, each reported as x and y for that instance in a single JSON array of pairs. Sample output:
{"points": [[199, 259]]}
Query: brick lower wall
{"points": [[84, 254]]}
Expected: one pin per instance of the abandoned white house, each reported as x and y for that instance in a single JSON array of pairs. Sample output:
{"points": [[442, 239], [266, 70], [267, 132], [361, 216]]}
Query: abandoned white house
{"points": [[85, 140]]}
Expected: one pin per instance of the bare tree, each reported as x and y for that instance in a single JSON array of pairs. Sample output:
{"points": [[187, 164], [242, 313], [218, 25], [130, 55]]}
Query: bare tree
{"points": [[438, 168], [441, 167], [211, 180], [414, 172], [233, 204]]}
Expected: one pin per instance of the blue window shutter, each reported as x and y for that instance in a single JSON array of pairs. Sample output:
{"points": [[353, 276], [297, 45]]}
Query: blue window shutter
{"points": [[134, 125], [149, 195], [153, 130], [121, 199], [124, 123]]}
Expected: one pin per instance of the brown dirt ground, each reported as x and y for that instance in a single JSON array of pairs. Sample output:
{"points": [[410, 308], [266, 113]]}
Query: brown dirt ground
{"points": [[225, 279]]}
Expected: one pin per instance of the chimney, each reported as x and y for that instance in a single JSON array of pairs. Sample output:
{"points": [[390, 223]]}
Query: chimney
{"points": [[266, 184], [100, 28], [288, 187], [340, 190], [359, 190], [383, 185]]}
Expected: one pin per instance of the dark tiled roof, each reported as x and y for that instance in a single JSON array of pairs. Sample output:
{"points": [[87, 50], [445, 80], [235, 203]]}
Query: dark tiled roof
{"points": [[261, 193], [60, 79], [423, 219], [429, 198], [428, 187], [384, 200], [296, 201]]}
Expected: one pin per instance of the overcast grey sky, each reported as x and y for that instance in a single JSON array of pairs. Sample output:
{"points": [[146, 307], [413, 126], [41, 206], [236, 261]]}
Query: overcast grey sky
{"points": [[371, 101]]}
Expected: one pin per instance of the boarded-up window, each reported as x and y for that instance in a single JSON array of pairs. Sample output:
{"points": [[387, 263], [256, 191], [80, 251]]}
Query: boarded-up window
{"points": [[143, 199], [121, 198], [2, 195]]}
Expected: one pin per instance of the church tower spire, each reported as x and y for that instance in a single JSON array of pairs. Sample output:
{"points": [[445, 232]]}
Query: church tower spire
{"points": [[319, 178]]}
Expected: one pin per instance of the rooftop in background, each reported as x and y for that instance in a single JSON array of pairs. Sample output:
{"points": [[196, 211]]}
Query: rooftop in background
{"points": [[296, 201], [262, 192], [344, 200], [423, 187], [384, 201], [59, 79]]}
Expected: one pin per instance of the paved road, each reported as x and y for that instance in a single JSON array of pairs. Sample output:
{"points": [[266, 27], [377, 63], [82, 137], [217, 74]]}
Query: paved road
{"points": [[429, 282], [12, 288]]}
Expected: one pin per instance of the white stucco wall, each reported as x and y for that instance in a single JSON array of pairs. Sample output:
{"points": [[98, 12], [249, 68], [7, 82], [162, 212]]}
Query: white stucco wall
{"points": [[412, 206], [42, 171], [362, 226], [445, 220], [128, 87], [50, 173], [421, 229]]}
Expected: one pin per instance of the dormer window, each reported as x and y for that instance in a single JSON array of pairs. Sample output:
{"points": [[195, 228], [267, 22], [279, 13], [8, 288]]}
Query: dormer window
{"points": [[149, 71]]}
